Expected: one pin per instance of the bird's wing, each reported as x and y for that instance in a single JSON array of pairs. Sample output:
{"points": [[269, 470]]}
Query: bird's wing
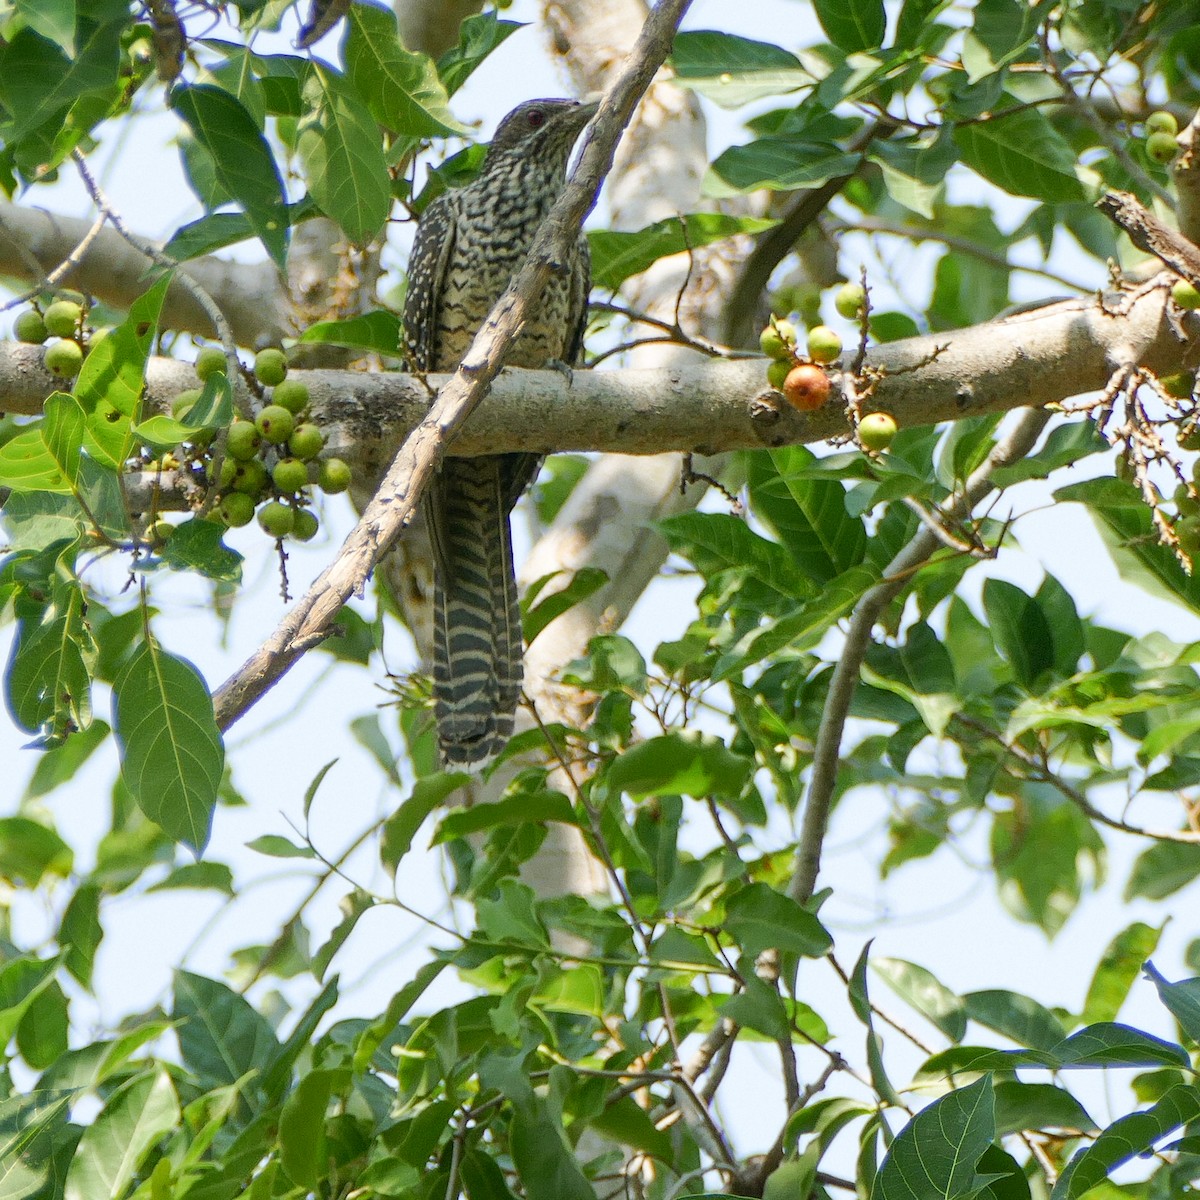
{"points": [[427, 267], [577, 308], [426, 281], [521, 469]]}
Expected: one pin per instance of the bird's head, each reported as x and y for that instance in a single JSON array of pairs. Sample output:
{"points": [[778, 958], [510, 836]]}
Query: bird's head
{"points": [[540, 127]]}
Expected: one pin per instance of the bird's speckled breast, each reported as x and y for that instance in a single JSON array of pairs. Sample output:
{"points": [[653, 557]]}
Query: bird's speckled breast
{"points": [[483, 264]]}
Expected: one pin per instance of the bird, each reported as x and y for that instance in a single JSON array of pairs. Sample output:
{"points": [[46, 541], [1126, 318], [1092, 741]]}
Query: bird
{"points": [[469, 243]]}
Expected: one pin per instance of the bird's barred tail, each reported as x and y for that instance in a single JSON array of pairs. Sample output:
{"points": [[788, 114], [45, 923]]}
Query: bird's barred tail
{"points": [[477, 638]]}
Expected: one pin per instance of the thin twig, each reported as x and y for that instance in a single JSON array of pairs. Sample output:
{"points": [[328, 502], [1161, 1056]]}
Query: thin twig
{"points": [[64, 268], [1042, 772], [156, 256], [954, 241]]}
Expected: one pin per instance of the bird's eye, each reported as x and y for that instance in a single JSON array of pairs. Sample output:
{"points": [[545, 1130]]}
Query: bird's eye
{"points": [[535, 117]]}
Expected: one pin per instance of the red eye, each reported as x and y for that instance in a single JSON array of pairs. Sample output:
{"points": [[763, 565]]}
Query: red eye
{"points": [[535, 118]]}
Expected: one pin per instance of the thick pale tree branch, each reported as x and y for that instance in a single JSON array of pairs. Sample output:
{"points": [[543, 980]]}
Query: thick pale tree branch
{"points": [[396, 500], [252, 298], [1044, 356]]}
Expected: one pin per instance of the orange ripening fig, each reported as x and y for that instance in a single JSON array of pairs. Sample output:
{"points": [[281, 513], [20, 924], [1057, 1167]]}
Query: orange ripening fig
{"points": [[806, 387]]}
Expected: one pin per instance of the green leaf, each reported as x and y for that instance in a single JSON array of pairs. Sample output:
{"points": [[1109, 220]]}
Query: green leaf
{"points": [[22, 980], [30, 851], [213, 409], [1000, 34], [914, 170], [1126, 528], [401, 827], [537, 808], [1125, 1138], [920, 671], [801, 630], [512, 916], [196, 545], [478, 36], [617, 256], [278, 1076], [1023, 154], [35, 1131], [38, 82], [45, 457], [221, 1037], [759, 1007], [338, 142], [545, 1162], [302, 1128], [625, 1121], [398, 1007], [925, 993], [244, 164], [42, 1031], [685, 763], [717, 542], [777, 163], [936, 1153], [274, 845], [1110, 1044], [732, 70], [1015, 1016], [962, 1060], [760, 918], [216, 230], [1039, 848], [204, 876], [401, 88], [1021, 1106], [1064, 444], [585, 582], [807, 514], [110, 383], [852, 24], [48, 685], [352, 906], [172, 756], [1182, 1000], [80, 932], [916, 24], [113, 1146], [1020, 628], [1162, 869], [377, 332], [1116, 971], [53, 19], [58, 766]]}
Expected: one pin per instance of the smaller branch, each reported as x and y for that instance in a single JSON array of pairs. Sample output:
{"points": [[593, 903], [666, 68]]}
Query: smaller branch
{"points": [[775, 244], [716, 1075], [858, 638], [720, 1036], [769, 1163], [1150, 234], [1186, 173]]}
